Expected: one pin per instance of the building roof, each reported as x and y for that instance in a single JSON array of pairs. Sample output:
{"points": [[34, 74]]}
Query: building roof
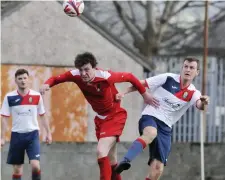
{"points": [[8, 7]]}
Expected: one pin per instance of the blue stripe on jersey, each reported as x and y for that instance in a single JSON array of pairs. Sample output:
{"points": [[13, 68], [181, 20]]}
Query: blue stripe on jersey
{"points": [[14, 100], [171, 85]]}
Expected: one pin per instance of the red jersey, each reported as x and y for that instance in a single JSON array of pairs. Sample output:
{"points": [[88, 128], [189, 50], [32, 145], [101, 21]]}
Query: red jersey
{"points": [[101, 91]]}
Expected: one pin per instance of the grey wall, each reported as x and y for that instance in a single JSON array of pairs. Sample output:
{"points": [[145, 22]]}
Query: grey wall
{"points": [[78, 162], [39, 33]]}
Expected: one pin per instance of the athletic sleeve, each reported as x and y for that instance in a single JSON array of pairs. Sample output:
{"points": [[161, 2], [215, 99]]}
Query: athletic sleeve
{"points": [[154, 82], [5, 110], [41, 107], [117, 77], [69, 76], [196, 96]]}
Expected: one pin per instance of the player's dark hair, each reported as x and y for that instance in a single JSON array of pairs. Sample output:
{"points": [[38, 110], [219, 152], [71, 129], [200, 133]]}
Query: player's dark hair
{"points": [[85, 58], [20, 72], [192, 59]]}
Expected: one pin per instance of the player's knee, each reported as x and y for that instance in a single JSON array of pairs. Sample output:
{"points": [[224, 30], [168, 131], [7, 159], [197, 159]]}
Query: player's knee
{"points": [[35, 165], [102, 152], [17, 169], [104, 146], [149, 134], [159, 168], [112, 158]]}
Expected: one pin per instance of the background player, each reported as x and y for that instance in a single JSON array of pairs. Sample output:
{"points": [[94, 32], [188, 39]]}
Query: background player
{"points": [[24, 104], [176, 94], [99, 90]]}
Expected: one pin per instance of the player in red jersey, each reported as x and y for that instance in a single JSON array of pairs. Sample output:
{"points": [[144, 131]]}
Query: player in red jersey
{"points": [[99, 90]]}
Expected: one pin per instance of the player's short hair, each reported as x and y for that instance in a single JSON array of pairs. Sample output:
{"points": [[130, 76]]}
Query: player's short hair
{"points": [[192, 59], [20, 72], [85, 58]]}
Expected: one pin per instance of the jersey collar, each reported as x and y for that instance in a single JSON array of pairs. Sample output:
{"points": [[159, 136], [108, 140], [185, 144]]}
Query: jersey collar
{"points": [[25, 94]]}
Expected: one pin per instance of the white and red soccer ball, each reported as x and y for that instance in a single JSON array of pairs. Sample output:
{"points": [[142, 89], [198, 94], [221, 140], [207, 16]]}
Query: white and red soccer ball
{"points": [[73, 8]]}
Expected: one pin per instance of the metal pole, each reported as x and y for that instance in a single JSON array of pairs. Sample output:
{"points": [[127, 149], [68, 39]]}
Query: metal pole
{"points": [[204, 80]]}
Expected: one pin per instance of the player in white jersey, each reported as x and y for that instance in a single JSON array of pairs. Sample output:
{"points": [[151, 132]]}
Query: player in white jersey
{"points": [[175, 93], [24, 105]]}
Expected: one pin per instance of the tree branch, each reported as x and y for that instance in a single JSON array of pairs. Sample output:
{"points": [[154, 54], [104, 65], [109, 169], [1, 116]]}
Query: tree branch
{"points": [[128, 24], [133, 18], [140, 3], [168, 9], [151, 26]]}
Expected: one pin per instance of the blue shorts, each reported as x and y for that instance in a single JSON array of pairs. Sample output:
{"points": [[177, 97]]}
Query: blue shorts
{"points": [[21, 142], [160, 147]]}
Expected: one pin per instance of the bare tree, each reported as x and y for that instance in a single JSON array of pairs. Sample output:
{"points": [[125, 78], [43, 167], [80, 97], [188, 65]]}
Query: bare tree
{"points": [[156, 27]]}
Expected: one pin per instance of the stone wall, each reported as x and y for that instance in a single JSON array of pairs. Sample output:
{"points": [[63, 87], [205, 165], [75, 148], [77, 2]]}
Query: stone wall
{"points": [[78, 162]]}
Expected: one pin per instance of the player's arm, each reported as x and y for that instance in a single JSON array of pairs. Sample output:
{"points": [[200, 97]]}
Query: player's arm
{"points": [[199, 100], [150, 83], [54, 80], [4, 121], [129, 77], [202, 102], [117, 77], [46, 126], [44, 121], [132, 88], [5, 114]]}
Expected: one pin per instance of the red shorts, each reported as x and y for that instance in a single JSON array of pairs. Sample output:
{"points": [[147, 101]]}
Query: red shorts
{"points": [[112, 125]]}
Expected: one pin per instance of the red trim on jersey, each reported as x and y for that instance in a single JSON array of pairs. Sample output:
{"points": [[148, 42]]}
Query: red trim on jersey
{"points": [[4, 115], [42, 114], [30, 100], [185, 94]]}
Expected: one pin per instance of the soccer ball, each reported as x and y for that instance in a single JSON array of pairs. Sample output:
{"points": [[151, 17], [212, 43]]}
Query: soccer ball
{"points": [[73, 8]]}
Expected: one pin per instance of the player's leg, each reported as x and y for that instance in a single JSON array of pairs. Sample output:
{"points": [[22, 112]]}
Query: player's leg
{"points": [[148, 131], [103, 148], [155, 170], [16, 155], [33, 153], [159, 151], [113, 161], [17, 172], [108, 131]]}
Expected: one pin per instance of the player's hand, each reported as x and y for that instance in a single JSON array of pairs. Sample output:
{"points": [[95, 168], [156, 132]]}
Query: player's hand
{"points": [[204, 100], [149, 99], [119, 96], [48, 138], [44, 87], [2, 142]]}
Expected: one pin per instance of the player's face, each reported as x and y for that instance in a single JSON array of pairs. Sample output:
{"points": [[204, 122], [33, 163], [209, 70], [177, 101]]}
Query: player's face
{"points": [[22, 81], [189, 70], [87, 72]]}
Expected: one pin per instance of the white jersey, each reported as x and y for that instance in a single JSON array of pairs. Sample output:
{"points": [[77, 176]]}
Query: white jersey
{"points": [[24, 110], [174, 100]]}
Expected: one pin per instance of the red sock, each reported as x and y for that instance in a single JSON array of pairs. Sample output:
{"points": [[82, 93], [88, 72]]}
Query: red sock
{"points": [[36, 175], [147, 179], [105, 168], [16, 176], [115, 176]]}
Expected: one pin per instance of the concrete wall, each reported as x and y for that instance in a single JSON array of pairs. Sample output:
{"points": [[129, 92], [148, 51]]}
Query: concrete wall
{"points": [[40, 33], [78, 162]]}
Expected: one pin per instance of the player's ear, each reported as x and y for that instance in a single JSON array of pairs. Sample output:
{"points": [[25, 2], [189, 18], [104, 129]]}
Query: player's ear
{"points": [[197, 73]]}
